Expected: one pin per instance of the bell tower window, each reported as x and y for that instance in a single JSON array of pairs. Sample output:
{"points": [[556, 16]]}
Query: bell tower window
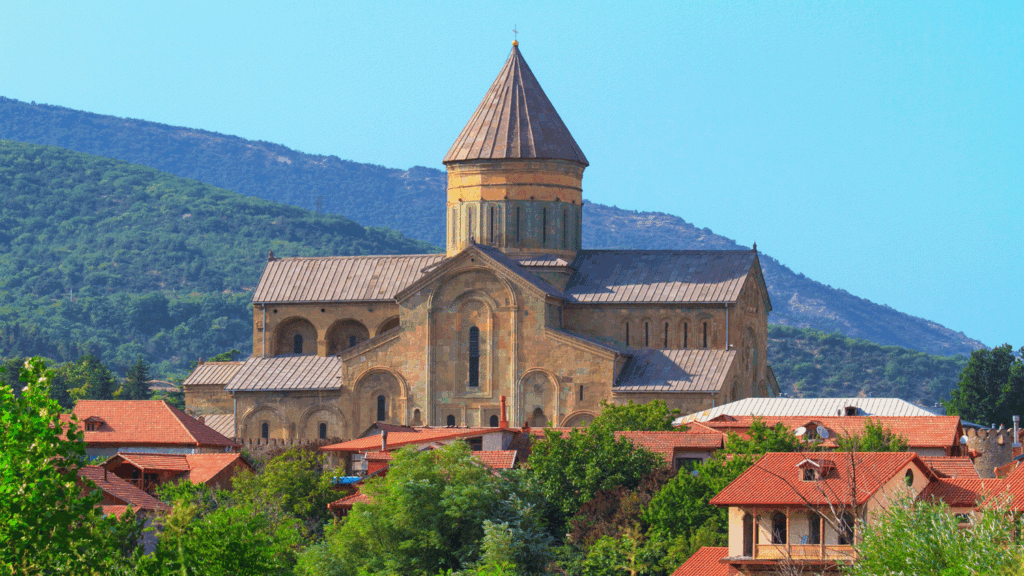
{"points": [[544, 228], [490, 227], [517, 224], [474, 357], [565, 230]]}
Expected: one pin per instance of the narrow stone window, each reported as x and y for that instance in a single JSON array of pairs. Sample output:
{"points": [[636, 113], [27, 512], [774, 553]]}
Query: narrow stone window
{"points": [[323, 431], [382, 408], [474, 357], [686, 333], [627, 333], [494, 421], [517, 224], [297, 343], [666, 335], [544, 228], [470, 219], [705, 335], [581, 393], [352, 341], [565, 230], [647, 334], [265, 430], [450, 420]]}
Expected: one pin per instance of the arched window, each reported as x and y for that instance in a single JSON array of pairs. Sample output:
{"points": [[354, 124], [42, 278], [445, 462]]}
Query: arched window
{"points": [[909, 477], [416, 417], [779, 528], [469, 218], [323, 431], [565, 230], [813, 528], [474, 356], [494, 421], [647, 334], [581, 392], [450, 420], [382, 408], [686, 333], [666, 335], [705, 335], [297, 343], [544, 228], [265, 430]]}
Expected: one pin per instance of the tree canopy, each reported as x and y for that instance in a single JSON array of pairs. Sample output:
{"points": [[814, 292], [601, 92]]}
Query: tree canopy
{"points": [[991, 389]]}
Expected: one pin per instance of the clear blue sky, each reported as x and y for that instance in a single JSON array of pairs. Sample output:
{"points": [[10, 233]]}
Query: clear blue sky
{"points": [[874, 146]]}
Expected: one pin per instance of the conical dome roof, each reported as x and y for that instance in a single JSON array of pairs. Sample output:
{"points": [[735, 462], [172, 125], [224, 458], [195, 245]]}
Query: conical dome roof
{"points": [[515, 120]]}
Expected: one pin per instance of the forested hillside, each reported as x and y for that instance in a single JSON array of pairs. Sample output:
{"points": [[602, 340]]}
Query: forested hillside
{"points": [[412, 202], [105, 257]]}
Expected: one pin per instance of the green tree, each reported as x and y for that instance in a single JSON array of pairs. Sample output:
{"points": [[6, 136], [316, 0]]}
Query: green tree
{"points": [[653, 415], [86, 377], [49, 519], [136, 382], [939, 543], [991, 388], [874, 438]]}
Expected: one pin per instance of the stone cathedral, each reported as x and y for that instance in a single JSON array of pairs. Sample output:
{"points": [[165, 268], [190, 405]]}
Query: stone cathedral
{"points": [[514, 307]]}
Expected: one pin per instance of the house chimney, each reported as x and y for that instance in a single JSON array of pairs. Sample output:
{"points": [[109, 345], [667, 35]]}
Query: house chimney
{"points": [[1017, 451], [383, 440], [104, 473], [202, 419], [503, 423]]}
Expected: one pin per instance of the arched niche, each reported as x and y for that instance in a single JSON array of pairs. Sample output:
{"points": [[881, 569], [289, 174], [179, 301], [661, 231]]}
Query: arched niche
{"points": [[295, 335], [539, 392], [578, 419], [389, 324], [254, 419], [370, 387], [345, 334], [326, 415]]}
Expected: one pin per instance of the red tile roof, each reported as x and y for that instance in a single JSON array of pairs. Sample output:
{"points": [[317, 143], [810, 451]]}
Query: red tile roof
{"points": [[397, 439], [959, 492], [166, 462], [707, 562], [145, 422], [497, 459], [120, 489], [666, 443], [347, 502], [1013, 487], [952, 466], [204, 467], [920, 431], [776, 480]]}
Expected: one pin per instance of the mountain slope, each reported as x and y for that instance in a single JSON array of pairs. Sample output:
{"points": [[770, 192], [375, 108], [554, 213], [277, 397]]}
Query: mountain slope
{"points": [[99, 255], [412, 202]]}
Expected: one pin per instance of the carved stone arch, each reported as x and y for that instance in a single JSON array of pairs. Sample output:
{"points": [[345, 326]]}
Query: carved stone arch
{"points": [[251, 421], [442, 283], [369, 386], [293, 333], [538, 389], [344, 334], [336, 422], [389, 324], [578, 418]]}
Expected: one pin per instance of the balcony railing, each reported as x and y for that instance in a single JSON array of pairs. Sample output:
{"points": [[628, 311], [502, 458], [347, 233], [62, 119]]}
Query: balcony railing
{"points": [[805, 552]]}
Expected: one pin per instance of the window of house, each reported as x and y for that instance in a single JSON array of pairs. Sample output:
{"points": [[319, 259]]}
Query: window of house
{"points": [[810, 473], [494, 421], [382, 408], [265, 430], [476, 443], [688, 464], [846, 524], [813, 528], [450, 420], [779, 528], [323, 431], [909, 477], [297, 344], [474, 357]]}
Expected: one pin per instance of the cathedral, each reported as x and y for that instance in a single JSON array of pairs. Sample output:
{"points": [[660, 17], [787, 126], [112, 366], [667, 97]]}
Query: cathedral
{"points": [[514, 308]]}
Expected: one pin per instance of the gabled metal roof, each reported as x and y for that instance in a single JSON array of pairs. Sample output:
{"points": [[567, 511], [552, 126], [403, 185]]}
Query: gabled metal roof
{"points": [[212, 373], [690, 370], [287, 373], [809, 407], [340, 278], [659, 276], [515, 120]]}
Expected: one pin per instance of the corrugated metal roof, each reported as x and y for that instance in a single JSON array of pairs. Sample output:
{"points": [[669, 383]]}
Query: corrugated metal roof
{"points": [[209, 373], [340, 278], [288, 373], [543, 261], [513, 266], [515, 119], [688, 370], [653, 276], [809, 407]]}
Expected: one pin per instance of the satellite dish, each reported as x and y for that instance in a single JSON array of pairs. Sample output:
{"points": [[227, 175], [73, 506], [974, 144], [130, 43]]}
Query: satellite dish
{"points": [[800, 431], [963, 440], [823, 432]]}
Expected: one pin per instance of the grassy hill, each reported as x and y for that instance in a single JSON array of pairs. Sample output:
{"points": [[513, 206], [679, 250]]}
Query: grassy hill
{"points": [[102, 256], [412, 202]]}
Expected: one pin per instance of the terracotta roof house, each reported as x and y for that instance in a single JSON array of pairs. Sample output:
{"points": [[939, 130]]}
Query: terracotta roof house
{"points": [[802, 507], [679, 449], [118, 494], [152, 426], [146, 471], [707, 562]]}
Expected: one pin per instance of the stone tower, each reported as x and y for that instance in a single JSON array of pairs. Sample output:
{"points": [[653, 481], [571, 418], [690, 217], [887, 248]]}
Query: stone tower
{"points": [[515, 172]]}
